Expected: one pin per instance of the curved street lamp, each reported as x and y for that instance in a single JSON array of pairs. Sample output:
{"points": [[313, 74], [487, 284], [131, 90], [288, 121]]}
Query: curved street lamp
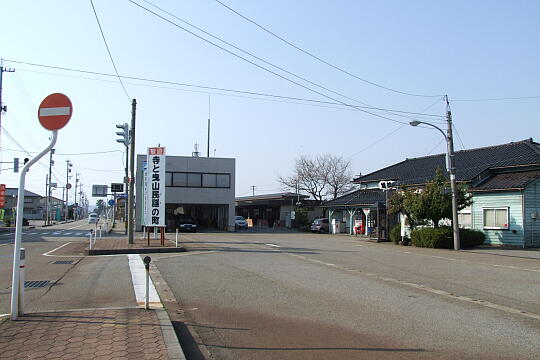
{"points": [[450, 166]]}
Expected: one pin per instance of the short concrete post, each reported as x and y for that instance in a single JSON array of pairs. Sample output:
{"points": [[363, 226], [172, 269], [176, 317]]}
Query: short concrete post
{"points": [[176, 237], [90, 238], [100, 232], [146, 261]]}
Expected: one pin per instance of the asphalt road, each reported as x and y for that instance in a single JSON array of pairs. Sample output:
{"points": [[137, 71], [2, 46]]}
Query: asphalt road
{"points": [[76, 282], [303, 296]]}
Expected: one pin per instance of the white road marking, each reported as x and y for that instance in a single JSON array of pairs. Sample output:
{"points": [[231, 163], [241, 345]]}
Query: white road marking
{"points": [[67, 233], [138, 277], [76, 227], [56, 233], [53, 250], [45, 233], [273, 245], [32, 233], [78, 234]]}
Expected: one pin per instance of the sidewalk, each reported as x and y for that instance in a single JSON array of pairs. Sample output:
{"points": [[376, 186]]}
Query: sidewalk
{"points": [[87, 334]]}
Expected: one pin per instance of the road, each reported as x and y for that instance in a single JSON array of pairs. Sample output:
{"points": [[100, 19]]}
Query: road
{"points": [[62, 283], [303, 296]]}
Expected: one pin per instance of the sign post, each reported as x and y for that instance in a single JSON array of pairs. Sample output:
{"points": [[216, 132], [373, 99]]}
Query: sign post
{"points": [[54, 113], [155, 188]]}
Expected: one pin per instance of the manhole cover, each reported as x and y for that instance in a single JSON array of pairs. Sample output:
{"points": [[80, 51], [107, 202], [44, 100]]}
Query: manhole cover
{"points": [[36, 283], [63, 262]]}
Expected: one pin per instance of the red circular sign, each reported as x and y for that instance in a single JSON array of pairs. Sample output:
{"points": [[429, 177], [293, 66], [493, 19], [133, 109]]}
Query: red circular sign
{"points": [[68, 186], [55, 111]]}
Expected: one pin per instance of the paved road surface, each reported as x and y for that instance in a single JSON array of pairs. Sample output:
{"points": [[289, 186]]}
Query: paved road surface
{"points": [[299, 296]]}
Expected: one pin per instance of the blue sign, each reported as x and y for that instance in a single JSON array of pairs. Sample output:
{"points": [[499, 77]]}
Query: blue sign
{"points": [[111, 202], [122, 196]]}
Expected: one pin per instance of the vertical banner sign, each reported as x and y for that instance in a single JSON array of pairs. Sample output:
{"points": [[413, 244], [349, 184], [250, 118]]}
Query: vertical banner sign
{"points": [[155, 183], [2, 195], [145, 192]]}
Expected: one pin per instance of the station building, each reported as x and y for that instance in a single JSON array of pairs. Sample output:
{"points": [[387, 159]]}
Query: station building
{"points": [[201, 187]]}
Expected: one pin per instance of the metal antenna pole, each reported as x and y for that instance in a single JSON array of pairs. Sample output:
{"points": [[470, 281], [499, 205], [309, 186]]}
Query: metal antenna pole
{"points": [[131, 197]]}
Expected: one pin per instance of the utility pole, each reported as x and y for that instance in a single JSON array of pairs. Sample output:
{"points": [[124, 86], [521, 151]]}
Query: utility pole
{"points": [[131, 195], [452, 170], [253, 189], [46, 199], [68, 170], [76, 207], [3, 108], [208, 141]]}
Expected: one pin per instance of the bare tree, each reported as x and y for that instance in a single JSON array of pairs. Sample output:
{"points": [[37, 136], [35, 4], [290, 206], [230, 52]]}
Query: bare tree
{"points": [[339, 175], [321, 177]]}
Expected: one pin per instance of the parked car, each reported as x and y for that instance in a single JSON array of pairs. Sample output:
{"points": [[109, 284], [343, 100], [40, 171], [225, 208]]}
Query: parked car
{"points": [[93, 218], [320, 225], [186, 223], [240, 222]]}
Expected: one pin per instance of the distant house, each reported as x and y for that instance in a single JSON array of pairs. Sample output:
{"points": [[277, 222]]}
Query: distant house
{"points": [[503, 179], [56, 211], [32, 207]]}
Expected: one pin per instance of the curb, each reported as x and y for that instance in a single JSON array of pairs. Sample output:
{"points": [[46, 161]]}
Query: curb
{"points": [[134, 251], [169, 336]]}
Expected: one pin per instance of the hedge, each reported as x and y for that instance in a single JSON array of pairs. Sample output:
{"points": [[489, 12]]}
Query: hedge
{"points": [[395, 234], [443, 237]]}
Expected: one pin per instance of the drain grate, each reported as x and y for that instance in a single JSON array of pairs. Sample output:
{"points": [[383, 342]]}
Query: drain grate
{"points": [[63, 262], [34, 284]]}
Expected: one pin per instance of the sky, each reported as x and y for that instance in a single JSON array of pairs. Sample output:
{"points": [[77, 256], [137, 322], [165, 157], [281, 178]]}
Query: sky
{"points": [[468, 50]]}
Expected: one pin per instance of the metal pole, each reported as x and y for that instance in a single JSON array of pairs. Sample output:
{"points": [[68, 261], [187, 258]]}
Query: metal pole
{"points": [[127, 189], [176, 237], [47, 199], [15, 285], [131, 196], [452, 170], [21, 281]]}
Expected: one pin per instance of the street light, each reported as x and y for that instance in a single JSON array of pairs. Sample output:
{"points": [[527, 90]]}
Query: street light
{"points": [[450, 166]]}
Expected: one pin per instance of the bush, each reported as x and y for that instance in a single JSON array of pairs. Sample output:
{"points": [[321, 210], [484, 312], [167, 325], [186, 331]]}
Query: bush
{"points": [[395, 234], [443, 238]]}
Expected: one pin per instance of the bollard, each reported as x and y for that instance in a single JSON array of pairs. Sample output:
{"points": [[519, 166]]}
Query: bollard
{"points": [[100, 232], [155, 233], [146, 261], [21, 282], [176, 237], [90, 236]]}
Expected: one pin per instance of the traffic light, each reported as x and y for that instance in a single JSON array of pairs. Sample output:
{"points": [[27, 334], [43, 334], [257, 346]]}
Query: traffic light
{"points": [[16, 165], [124, 134]]}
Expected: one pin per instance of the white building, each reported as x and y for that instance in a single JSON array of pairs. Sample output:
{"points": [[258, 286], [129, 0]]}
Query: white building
{"points": [[201, 187]]}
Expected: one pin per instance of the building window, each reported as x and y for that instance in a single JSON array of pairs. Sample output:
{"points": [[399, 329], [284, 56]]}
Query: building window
{"points": [[223, 180], [194, 180], [496, 218], [209, 180], [28, 200], [179, 179]]}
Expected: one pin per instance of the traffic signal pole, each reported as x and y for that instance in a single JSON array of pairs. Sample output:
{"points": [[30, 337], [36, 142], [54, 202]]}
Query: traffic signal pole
{"points": [[131, 195]]}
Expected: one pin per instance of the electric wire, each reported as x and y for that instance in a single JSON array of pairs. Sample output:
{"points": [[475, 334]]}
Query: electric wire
{"points": [[318, 58], [458, 136], [262, 67], [261, 59], [501, 98], [109, 51], [235, 91]]}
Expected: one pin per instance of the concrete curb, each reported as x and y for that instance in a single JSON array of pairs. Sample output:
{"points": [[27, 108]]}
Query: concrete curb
{"points": [[134, 251], [169, 336]]}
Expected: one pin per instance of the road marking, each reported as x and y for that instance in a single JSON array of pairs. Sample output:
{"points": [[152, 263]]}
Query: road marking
{"points": [[56, 233], [78, 234], [138, 277], [67, 233], [45, 233], [76, 227], [444, 293], [273, 245], [53, 250]]}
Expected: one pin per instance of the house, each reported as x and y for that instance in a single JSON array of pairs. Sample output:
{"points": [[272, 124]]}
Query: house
{"points": [[199, 187], [503, 180], [270, 210], [32, 208], [56, 211]]}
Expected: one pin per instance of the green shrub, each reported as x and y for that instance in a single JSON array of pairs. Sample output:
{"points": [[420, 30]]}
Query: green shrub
{"points": [[395, 234], [443, 238], [471, 238]]}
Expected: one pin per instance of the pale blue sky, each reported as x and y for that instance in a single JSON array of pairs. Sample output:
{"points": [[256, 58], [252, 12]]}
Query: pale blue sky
{"points": [[480, 49]]}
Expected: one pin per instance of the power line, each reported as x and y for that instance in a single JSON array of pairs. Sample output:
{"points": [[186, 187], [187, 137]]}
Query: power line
{"points": [[459, 136], [261, 59], [204, 87], [70, 154], [109, 51], [318, 58], [260, 66], [501, 98]]}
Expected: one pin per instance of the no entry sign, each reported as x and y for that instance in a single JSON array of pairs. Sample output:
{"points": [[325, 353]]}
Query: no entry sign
{"points": [[55, 111]]}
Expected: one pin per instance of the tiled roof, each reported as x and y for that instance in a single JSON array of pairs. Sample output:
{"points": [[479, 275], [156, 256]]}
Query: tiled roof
{"points": [[469, 163], [366, 197], [15, 192], [507, 181]]}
